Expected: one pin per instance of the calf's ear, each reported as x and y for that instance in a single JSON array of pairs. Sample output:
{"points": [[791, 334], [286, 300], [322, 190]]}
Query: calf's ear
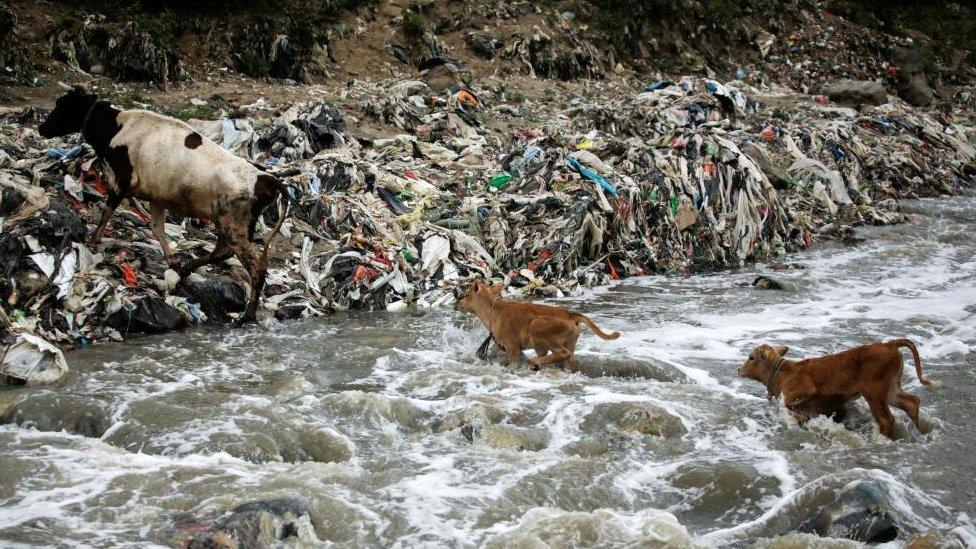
{"points": [[782, 350], [497, 288]]}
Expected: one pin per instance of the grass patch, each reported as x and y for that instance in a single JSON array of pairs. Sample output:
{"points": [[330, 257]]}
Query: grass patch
{"points": [[414, 25]]}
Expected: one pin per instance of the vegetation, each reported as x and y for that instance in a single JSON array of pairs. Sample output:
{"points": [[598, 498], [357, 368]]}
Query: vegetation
{"points": [[950, 25], [413, 23]]}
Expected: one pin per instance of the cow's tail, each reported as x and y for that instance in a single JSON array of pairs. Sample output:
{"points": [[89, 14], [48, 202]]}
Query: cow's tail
{"points": [[578, 318], [284, 199], [918, 361]]}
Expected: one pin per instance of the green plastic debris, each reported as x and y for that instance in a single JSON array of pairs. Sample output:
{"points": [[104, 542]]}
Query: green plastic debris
{"points": [[673, 204], [500, 179], [408, 255], [711, 149]]}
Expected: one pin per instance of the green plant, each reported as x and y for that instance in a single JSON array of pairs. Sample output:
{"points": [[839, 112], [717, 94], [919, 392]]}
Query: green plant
{"points": [[413, 23]]}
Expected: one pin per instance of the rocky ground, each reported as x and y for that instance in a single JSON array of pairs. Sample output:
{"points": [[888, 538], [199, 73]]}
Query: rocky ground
{"points": [[428, 146]]}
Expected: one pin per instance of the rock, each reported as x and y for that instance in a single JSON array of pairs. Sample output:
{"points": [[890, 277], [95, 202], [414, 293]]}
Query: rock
{"points": [[52, 412], [324, 446], [786, 266], [587, 447], [601, 366], [270, 523], [634, 417], [854, 93], [150, 315], [483, 45], [216, 298], [477, 415], [647, 419], [916, 90], [935, 539], [510, 437], [441, 77], [767, 283], [32, 361], [858, 512], [912, 85]]}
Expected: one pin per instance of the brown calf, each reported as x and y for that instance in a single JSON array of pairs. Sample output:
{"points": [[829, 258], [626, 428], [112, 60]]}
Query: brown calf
{"points": [[824, 385]]}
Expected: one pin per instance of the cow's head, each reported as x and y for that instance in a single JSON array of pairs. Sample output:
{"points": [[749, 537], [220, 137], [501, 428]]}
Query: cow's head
{"points": [[69, 113]]}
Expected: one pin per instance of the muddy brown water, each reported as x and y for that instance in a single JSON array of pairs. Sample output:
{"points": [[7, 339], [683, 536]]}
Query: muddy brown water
{"points": [[395, 434]]}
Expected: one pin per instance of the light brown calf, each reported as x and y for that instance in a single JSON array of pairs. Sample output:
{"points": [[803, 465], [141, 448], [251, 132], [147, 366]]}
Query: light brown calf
{"points": [[517, 325]]}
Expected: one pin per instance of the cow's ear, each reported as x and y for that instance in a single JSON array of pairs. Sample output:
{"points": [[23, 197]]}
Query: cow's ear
{"points": [[497, 288], [781, 350]]}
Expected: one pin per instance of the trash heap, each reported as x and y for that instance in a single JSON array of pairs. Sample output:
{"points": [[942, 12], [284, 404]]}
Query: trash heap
{"points": [[612, 181]]}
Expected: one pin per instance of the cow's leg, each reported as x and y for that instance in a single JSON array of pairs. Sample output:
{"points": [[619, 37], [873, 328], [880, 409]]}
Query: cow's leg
{"points": [[158, 213], [220, 252], [110, 205], [247, 253]]}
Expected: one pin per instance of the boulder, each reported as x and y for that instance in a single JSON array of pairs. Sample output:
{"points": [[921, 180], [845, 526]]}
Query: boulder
{"points": [[911, 84], [767, 283], [641, 418], [510, 437], [854, 93], [935, 539], [858, 512], [45, 411], [269, 523]]}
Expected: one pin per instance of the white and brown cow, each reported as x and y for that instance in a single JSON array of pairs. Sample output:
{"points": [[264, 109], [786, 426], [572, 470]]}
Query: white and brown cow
{"points": [[167, 163]]}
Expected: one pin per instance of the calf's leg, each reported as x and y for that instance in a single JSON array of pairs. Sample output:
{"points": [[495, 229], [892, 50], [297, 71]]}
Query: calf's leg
{"points": [[882, 414], [909, 403]]}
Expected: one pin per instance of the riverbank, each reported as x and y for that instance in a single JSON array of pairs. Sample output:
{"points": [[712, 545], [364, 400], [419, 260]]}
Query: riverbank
{"points": [[408, 189]]}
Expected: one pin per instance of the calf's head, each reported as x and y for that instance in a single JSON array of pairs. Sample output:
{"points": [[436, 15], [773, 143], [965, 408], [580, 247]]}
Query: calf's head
{"points": [[761, 361], [479, 293], [69, 113]]}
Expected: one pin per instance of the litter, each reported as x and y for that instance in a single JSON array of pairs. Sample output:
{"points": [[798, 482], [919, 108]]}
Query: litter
{"points": [[680, 176]]}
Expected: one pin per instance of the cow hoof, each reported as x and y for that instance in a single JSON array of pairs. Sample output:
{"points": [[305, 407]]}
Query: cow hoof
{"points": [[246, 317]]}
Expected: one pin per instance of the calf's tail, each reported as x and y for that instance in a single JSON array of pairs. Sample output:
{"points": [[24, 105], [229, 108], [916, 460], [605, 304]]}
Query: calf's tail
{"points": [[596, 329], [898, 343]]}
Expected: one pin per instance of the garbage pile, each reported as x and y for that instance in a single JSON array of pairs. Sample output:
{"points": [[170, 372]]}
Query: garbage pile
{"points": [[614, 181], [127, 51], [15, 63]]}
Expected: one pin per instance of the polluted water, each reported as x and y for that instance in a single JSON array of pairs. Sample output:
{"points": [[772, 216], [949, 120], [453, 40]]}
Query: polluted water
{"points": [[365, 429]]}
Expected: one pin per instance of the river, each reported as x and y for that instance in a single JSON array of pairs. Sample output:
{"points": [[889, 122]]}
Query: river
{"points": [[393, 433]]}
